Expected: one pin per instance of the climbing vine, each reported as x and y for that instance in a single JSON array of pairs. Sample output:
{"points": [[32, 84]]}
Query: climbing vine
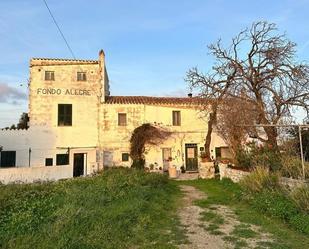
{"points": [[142, 135]]}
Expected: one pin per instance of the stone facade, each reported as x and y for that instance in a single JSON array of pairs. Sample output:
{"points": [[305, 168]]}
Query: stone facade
{"points": [[233, 174], [94, 130]]}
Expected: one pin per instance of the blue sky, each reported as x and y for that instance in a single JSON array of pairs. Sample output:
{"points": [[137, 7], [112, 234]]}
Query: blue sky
{"points": [[149, 45]]}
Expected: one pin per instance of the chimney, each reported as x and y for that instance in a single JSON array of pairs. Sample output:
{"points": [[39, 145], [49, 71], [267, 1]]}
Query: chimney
{"points": [[190, 95], [103, 75], [101, 58]]}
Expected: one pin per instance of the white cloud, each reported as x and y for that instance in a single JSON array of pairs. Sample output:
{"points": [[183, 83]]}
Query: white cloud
{"points": [[10, 94]]}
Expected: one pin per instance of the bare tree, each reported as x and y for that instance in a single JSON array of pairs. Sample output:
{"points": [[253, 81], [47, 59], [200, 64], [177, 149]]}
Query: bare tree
{"points": [[235, 122], [259, 66]]}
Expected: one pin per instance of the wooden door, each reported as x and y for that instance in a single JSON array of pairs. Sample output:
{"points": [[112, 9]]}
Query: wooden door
{"points": [[166, 156], [191, 157]]}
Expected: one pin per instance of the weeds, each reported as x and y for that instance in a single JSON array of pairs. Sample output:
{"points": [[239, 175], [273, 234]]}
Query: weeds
{"points": [[244, 232], [231, 195], [120, 208], [260, 180], [300, 196]]}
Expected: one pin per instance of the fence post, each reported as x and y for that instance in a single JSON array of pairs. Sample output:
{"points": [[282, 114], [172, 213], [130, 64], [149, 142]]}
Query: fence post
{"points": [[29, 156], [301, 151]]}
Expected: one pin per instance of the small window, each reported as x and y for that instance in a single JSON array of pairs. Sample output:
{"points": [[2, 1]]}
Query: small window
{"points": [[218, 152], [125, 157], [7, 159], [49, 75], [48, 162], [81, 76], [176, 118], [64, 115], [122, 119], [62, 159]]}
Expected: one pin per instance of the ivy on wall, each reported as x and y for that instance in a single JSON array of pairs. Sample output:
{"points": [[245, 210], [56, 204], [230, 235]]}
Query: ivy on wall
{"points": [[142, 135]]}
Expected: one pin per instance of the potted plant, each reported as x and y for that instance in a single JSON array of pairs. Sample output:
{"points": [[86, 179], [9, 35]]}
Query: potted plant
{"points": [[224, 160], [183, 169], [204, 157]]}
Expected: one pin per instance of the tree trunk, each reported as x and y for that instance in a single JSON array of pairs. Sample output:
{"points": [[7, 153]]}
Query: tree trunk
{"points": [[211, 122], [272, 134]]}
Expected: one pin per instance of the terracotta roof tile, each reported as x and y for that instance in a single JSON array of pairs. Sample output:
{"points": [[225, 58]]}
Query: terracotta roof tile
{"points": [[154, 100]]}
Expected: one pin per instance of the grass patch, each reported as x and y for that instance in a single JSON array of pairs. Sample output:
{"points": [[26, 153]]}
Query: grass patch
{"points": [[244, 232], [120, 208], [241, 244], [263, 192], [236, 241], [212, 217], [268, 244], [227, 193], [215, 221], [213, 229], [231, 239]]}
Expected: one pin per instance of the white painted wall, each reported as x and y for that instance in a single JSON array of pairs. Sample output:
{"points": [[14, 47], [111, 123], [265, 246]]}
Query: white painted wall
{"points": [[33, 174]]}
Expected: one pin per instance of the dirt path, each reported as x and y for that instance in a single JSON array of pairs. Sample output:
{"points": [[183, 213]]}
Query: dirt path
{"points": [[190, 217], [217, 226]]}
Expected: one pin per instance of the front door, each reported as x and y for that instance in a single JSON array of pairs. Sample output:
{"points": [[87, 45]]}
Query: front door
{"points": [[191, 157], [166, 156], [78, 167]]}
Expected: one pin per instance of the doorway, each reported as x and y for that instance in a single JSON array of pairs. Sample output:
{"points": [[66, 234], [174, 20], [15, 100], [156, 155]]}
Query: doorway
{"points": [[79, 164], [191, 157], [166, 156]]}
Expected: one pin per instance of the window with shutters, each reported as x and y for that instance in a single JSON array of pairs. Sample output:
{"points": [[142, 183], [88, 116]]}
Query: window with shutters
{"points": [[64, 115], [122, 119], [49, 75], [81, 76], [176, 118]]}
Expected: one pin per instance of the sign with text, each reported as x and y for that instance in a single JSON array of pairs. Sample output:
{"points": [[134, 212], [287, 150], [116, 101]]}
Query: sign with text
{"points": [[58, 91]]}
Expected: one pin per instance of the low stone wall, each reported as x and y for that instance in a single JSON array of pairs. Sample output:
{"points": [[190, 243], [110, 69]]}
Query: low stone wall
{"points": [[292, 183], [34, 174], [234, 174]]}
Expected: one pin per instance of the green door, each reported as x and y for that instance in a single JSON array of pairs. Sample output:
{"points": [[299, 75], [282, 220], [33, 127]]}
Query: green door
{"points": [[191, 157]]}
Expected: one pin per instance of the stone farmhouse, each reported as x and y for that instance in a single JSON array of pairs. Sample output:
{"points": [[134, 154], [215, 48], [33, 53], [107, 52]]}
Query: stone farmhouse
{"points": [[77, 128]]}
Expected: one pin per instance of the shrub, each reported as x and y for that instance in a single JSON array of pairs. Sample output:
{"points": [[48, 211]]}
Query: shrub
{"points": [[266, 157], [258, 156], [300, 196], [292, 167], [142, 135], [260, 179], [262, 190], [244, 158]]}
